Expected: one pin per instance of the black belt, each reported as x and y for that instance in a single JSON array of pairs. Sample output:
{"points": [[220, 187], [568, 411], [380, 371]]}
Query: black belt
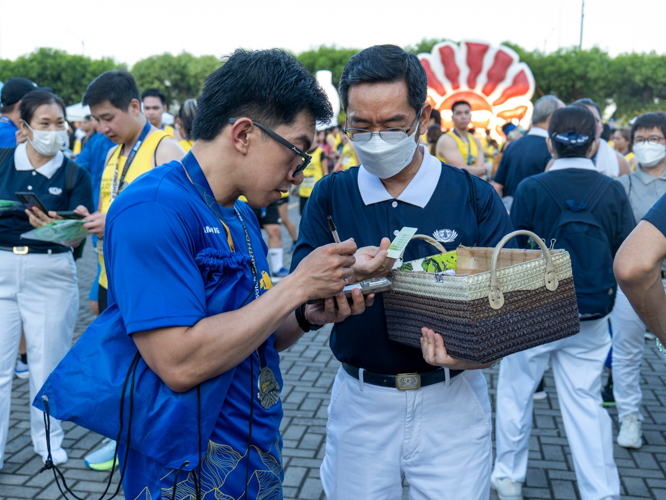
{"points": [[401, 381], [25, 250]]}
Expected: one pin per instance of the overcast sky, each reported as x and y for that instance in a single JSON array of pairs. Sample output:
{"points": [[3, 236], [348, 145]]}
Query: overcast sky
{"points": [[131, 30]]}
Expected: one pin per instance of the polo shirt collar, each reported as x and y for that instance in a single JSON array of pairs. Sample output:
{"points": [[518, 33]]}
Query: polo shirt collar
{"points": [[22, 162], [418, 192], [539, 132], [644, 176], [578, 163]]}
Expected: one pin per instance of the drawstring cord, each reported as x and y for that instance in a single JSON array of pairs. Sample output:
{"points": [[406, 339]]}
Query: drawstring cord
{"points": [[249, 439]]}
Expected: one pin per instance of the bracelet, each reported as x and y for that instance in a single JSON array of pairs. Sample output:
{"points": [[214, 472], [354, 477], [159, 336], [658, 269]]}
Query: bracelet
{"points": [[305, 325]]}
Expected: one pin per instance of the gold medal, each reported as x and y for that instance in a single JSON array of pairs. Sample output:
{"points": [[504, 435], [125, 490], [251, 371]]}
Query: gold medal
{"points": [[269, 390]]}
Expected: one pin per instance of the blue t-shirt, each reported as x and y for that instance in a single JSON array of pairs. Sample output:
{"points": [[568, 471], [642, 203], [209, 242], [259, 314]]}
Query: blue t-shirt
{"points": [[169, 264], [93, 159], [7, 133], [362, 340], [523, 158], [657, 215]]}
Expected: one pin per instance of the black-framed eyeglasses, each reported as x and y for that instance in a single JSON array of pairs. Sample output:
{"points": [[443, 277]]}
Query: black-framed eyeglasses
{"points": [[297, 152], [654, 139], [392, 134]]}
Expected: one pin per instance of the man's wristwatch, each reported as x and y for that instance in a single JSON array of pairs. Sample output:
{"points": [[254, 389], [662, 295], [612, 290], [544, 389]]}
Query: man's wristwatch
{"points": [[305, 325]]}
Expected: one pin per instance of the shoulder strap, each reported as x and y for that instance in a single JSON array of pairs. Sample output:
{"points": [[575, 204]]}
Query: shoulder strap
{"points": [[472, 193], [330, 194], [5, 154], [630, 185], [157, 146], [596, 192], [550, 188], [70, 176]]}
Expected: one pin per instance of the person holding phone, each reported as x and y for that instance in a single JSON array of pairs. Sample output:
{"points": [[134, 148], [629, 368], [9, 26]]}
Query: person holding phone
{"points": [[38, 283]]}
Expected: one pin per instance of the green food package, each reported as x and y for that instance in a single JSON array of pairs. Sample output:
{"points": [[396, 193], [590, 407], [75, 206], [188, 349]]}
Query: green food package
{"points": [[9, 205], [62, 232], [435, 264]]}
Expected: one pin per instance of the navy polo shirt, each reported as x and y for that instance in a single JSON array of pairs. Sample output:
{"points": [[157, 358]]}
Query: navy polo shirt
{"points": [[523, 158], [437, 202], [48, 183], [657, 215], [7, 133]]}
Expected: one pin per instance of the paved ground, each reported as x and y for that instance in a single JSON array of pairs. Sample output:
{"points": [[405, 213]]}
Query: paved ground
{"points": [[308, 369]]}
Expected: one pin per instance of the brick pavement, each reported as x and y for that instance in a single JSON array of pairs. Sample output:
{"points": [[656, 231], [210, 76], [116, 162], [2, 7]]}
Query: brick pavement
{"points": [[308, 370]]}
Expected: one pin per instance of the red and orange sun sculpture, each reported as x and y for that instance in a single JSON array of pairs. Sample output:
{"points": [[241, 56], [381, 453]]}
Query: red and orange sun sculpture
{"points": [[492, 79]]}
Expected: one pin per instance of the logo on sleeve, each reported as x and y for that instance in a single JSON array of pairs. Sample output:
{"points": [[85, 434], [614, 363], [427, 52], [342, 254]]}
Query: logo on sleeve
{"points": [[213, 230], [445, 235], [55, 191]]}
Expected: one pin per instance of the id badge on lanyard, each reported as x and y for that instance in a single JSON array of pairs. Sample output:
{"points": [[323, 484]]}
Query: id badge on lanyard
{"points": [[309, 182], [116, 183]]}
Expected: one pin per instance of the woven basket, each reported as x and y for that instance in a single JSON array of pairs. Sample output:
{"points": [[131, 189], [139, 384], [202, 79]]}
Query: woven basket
{"points": [[493, 313]]}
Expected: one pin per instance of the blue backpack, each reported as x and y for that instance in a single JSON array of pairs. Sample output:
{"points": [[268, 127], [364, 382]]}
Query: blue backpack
{"points": [[579, 233]]}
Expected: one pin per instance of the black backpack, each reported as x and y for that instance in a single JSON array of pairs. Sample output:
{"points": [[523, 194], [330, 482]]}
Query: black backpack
{"points": [[578, 232]]}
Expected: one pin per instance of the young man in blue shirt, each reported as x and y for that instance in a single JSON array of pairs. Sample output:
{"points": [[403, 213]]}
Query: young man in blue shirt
{"points": [[438, 436], [190, 285], [10, 98]]}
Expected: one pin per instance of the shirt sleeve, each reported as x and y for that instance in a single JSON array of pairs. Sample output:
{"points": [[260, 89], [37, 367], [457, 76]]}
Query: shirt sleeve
{"points": [[627, 223], [150, 262], [657, 215], [522, 211], [313, 231], [493, 219], [82, 192], [500, 175], [85, 157]]}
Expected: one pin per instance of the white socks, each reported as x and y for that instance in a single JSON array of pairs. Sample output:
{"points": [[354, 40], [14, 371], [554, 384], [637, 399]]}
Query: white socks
{"points": [[275, 258]]}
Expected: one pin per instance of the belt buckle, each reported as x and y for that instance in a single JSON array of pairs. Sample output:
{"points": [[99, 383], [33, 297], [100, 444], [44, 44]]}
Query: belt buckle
{"points": [[407, 381], [20, 250]]}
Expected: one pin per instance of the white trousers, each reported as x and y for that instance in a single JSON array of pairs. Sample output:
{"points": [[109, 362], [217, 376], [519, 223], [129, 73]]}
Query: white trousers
{"points": [[577, 364], [628, 347], [39, 295], [438, 437]]}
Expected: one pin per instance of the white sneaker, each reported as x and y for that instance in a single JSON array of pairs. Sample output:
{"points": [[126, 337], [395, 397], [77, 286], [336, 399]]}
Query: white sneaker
{"points": [[507, 489], [21, 369], [58, 455], [631, 434]]}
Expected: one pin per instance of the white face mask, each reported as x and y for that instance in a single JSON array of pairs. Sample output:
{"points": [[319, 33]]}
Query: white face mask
{"points": [[649, 155], [48, 142], [386, 159]]}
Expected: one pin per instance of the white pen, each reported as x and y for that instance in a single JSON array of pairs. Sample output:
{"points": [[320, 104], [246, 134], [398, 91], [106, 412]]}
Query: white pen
{"points": [[334, 230]]}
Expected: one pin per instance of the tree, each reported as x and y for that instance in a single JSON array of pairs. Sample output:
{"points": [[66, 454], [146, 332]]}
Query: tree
{"points": [[180, 77], [67, 74], [331, 58], [425, 45]]}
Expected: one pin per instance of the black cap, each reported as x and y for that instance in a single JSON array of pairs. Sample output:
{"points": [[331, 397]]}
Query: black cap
{"points": [[15, 88]]}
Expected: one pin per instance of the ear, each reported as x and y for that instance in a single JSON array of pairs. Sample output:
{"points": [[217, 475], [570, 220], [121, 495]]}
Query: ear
{"points": [[241, 134], [425, 116], [592, 149], [24, 129], [550, 146], [134, 107]]}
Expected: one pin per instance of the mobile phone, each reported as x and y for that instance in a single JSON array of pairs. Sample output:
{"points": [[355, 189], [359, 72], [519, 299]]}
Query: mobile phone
{"points": [[31, 200], [373, 285], [71, 215]]}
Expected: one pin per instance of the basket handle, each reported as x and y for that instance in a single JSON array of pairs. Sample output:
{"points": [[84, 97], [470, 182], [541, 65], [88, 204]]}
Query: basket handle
{"points": [[495, 296], [427, 239]]}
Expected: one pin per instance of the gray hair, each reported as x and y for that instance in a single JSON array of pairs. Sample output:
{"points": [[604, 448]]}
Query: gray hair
{"points": [[545, 107]]}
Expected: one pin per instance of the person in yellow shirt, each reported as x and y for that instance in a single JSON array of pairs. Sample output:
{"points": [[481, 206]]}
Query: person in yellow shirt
{"points": [[348, 156], [316, 170], [459, 147], [184, 122], [154, 106], [113, 98], [89, 126], [621, 141]]}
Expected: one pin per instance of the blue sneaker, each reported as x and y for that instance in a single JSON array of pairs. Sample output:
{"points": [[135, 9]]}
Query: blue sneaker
{"points": [[282, 273], [102, 459]]}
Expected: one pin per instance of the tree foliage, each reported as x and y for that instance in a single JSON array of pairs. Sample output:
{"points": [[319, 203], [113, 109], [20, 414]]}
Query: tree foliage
{"points": [[331, 58], [180, 77], [68, 75]]}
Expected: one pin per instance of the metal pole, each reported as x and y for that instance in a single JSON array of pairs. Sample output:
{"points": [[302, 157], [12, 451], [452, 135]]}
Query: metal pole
{"points": [[582, 16]]}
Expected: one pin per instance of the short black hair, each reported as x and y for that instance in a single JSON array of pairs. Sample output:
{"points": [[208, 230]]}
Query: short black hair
{"points": [[32, 100], [656, 119], [586, 101], [435, 115], [187, 113], [154, 93], [574, 119], [269, 86], [606, 133], [458, 103], [116, 86], [385, 64]]}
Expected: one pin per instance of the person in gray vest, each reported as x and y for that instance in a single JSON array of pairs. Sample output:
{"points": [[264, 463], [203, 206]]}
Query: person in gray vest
{"points": [[644, 187]]}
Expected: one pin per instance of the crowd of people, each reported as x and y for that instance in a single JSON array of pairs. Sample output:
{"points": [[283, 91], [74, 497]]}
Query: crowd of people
{"points": [[187, 284]]}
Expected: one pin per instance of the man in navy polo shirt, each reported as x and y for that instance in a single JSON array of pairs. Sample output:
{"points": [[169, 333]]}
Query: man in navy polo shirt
{"points": [[438, 436], [528, 155], [10, 97], [638, 266]]}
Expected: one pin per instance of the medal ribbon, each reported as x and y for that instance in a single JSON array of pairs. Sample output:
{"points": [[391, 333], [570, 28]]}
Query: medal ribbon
{"points": [[115, 182], [469, 146]]}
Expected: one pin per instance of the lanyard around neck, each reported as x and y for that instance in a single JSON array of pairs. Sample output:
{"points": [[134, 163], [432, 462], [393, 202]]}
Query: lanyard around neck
{"points": [[469, 146], [117, 183]]}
